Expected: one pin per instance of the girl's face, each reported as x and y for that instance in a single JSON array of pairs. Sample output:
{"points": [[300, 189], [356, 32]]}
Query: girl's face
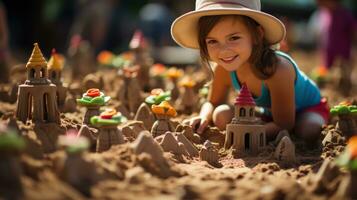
{"points": [[229, 43]]}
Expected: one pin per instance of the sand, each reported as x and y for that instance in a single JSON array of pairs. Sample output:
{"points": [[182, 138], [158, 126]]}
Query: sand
{"points": [[141, 169]]}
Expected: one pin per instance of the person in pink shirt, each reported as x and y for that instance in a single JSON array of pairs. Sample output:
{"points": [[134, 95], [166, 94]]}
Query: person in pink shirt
{"points": [[337, 28]]}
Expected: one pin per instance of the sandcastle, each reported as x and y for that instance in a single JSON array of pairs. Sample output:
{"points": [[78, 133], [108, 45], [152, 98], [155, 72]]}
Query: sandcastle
{"points": [[144, 112], [177, 143], [163, 112], [75, 170], [157, 75], [81, 57], [187, 100], [173, 74], [209, 153], [130, 92], [93, 99], [244, 134], [37, 99], [139, 46], [347, 115], [109, 134], [55, 66]]}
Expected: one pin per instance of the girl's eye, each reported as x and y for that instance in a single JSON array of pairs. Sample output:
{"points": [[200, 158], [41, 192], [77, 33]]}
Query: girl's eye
{"points": [[211, 42], [234, 38]]}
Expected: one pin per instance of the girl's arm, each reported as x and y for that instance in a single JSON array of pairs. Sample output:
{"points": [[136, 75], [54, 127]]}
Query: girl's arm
{"points": [[281, 87], [218, 92], [217, 95]]}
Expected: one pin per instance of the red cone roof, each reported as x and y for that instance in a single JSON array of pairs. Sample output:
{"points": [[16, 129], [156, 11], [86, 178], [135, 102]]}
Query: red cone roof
{"points": [[245, 97]]}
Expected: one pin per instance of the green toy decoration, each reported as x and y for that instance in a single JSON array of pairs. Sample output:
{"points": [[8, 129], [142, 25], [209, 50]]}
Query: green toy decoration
{"points": [[10, 141], [93, 97], [108, 118], [108, 133], [157, 96], [347, 115]]}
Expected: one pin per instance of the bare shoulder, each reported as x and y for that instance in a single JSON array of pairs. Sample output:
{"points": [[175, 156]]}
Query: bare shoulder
{"points": [[284, 72]]}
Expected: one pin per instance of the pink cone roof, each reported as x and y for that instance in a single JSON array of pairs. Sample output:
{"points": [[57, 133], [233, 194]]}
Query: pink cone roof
{"points": [[245, 97], [138, 40]]}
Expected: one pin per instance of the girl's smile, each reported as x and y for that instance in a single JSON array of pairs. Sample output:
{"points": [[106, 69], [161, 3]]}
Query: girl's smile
{"points": [[229, 43]]}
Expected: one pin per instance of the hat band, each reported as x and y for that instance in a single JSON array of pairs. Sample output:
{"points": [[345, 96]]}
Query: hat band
{"points": [[220, 2]]}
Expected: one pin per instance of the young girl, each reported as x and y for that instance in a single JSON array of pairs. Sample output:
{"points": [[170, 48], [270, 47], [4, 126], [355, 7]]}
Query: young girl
{"points": [[237, 37]]}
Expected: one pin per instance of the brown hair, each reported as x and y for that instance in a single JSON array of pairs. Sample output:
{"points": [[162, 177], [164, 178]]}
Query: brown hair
{"points": [[263, 58]]}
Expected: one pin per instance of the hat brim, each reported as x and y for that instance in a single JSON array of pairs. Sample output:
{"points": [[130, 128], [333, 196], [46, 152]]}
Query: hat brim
{"points": [[184, 28]]}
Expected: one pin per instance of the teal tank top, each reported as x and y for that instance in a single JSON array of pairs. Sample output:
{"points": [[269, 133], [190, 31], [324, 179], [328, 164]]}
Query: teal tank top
{"points": [[306, 92]]}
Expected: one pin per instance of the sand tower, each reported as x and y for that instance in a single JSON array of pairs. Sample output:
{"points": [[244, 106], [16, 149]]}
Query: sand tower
{"points": [[37, 96], [55, 66], [164, 111], [109, 134], [140, 48], [244, 134]]}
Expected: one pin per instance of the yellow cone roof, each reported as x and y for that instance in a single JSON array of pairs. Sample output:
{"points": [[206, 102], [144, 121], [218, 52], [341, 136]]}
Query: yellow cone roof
{"points": [[36, 59], [54, 63]]}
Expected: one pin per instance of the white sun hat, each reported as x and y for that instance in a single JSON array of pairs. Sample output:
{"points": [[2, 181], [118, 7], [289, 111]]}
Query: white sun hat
{"points": [[184, 29]]}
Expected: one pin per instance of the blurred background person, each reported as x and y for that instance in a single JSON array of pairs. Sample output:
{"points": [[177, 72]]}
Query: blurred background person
{"points": [[337, 29]]}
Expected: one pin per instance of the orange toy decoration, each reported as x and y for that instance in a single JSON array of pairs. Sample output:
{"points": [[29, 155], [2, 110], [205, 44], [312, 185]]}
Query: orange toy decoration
{"points": [[158, 69], [348, 158], [164, 108], [105, 57], [174, 73], [189, 83], [352, 147]]}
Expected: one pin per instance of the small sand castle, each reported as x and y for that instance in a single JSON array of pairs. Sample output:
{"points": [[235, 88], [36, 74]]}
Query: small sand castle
{"points": [[37, 99], [109, 134], [177, 143], [144, 113], [55, 67], [209, 153], [285, 150], [93, 99], [347, 115], [157, 75], [164, 111], [75, 170], [81, 57], [187, 101], [129, 93], [244, 134], [139, 46], [173, 74], [151, 156]]}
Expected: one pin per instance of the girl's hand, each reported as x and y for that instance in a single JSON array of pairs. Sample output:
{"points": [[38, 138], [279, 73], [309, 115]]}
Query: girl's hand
{"points": [[198, 124]]}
